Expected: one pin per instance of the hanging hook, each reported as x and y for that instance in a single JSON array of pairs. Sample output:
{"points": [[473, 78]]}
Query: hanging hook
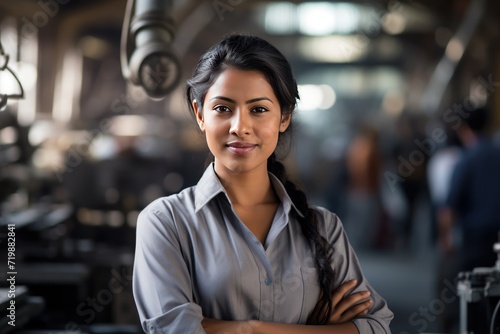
{"points": [[4, 67]]}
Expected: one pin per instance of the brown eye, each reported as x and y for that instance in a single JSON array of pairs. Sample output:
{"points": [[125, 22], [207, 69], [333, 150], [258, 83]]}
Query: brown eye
{"points": [[259, 110], [221, 109]]}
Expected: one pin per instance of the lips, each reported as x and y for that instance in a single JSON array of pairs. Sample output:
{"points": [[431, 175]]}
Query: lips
{"points": [[240, 147]]}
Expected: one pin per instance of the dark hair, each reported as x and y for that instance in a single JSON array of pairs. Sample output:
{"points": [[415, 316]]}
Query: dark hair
{"points": [[252, 53], [477, 119]]}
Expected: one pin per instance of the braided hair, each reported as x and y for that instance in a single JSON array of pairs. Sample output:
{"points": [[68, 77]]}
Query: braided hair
{"points": [[245, 52]]}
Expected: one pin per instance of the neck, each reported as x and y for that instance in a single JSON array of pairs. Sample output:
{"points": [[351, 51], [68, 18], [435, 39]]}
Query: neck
{"points": [[468, 137], [247, 188]]}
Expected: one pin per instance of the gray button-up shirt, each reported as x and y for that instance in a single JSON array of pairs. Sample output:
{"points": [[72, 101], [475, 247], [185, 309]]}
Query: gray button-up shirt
{"points": [[194, 258]]}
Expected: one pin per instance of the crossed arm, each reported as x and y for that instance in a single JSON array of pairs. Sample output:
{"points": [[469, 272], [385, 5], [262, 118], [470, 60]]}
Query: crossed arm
{"points": [[345, 307], [162, 290]]}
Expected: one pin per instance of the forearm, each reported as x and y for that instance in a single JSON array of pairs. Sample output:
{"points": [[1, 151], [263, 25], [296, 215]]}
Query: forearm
{"points": [[213, 326], [445, 221]]}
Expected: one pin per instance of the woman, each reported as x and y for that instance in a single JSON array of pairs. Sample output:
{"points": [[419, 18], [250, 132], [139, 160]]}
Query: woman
{"points": [[243, 252]]}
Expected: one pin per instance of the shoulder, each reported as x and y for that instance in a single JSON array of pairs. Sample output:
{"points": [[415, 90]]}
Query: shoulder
{"points": [[485, 148], [331, 227], [166, 209], [328, 223], [474, 159], [185, 198], [325, 215]]}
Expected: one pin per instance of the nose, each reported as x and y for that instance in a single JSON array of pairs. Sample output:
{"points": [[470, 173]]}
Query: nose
{"points": [[241, 124]]}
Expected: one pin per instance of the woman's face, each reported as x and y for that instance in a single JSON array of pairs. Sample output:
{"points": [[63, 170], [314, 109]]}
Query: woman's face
{"points": [[241, 118]]}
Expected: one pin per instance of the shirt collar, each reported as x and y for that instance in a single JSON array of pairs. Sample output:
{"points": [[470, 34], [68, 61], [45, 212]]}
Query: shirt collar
{"points": [[209, 186]]}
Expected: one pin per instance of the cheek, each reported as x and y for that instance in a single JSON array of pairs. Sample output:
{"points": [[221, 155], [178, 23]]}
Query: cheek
{"points": [[213, 131], [270, 133], [215, 123]]}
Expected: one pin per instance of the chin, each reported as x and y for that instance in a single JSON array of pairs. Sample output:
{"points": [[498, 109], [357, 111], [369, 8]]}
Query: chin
{"points": [[240, 166]]}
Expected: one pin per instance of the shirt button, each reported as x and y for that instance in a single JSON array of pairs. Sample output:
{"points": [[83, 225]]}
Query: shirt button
{"points": [[268, 281]]}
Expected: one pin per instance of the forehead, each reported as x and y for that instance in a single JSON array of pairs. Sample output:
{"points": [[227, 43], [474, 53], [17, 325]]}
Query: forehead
{"points": [[241, 84]]}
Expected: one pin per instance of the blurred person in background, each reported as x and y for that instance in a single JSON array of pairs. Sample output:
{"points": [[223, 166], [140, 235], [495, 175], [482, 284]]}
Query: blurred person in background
{"points": [[363, 218], [413, 162], [473, 201], [243, 250], [469, 222], [439, 174]]}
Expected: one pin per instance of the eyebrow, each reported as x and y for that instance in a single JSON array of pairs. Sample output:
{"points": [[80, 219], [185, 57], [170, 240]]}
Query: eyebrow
{"points": [[257, 99]]}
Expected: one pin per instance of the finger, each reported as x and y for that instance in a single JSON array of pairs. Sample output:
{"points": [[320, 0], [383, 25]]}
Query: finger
{"points": [[342, 290], [355, 298], [359, 309], [351, 301]]}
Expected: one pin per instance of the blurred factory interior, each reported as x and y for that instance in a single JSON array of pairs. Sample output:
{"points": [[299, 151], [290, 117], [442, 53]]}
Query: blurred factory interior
{"points": [[83, 150]]}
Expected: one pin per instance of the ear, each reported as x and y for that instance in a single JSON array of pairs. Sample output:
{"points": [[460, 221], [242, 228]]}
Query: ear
{"points": [[285, 121], [199, 115]]}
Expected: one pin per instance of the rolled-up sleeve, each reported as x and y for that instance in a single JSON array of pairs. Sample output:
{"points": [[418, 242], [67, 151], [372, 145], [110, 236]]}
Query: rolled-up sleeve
{"points": [[162, 284], [346, 267]]}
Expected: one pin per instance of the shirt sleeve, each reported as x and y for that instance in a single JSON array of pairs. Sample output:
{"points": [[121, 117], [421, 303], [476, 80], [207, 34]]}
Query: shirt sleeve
{"points": [[161, 281], [346, 267]]}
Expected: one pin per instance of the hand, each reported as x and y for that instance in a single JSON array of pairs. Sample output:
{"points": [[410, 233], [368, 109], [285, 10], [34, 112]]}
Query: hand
{"points": [[345, 306]]}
